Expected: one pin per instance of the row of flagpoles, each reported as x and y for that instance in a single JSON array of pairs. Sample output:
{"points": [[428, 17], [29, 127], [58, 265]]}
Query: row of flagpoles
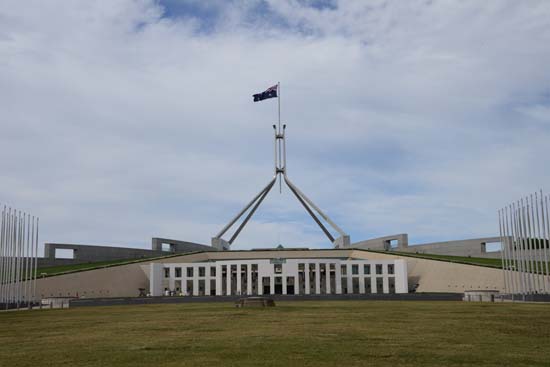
{"points": [[525, 236], [18, 258]]}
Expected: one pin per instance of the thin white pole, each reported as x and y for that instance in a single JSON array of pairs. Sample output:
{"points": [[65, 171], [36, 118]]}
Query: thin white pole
{"points": [[506, 290], [519, 246], [512, 271], [547, 226], [12, 254], [18, 274], [28, 262], [546, 238], [13, 238], [530, 244], [536, 245], [516, 273], [36, 257], [7, 255], [506, 250], [530, 236], [2, 257], [529, 253], [539, 246], [526, 247]]}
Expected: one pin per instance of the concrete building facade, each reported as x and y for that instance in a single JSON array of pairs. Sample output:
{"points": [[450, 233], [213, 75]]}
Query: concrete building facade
{"points": [[82, 254], [423, 275], [279, 276]]}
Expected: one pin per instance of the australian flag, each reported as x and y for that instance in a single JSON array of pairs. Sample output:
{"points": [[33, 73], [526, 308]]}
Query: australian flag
{"points": [[270, 92]]}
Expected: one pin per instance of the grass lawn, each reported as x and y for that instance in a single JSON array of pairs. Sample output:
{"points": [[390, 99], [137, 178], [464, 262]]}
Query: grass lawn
{"points": [[307, 333], [495, 263], [52, 270]]}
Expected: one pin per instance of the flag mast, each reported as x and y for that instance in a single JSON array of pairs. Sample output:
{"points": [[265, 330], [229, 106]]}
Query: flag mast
{"points": [[279, 102], [280, 173], [279, 132]]}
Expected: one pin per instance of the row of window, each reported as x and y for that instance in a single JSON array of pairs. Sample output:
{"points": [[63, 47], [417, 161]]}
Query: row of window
{"points": [[344, 268], [190, 272], [278, 269]]}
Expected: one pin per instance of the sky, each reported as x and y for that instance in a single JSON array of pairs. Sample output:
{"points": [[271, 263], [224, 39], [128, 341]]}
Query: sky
{"points": [[123, 120]]}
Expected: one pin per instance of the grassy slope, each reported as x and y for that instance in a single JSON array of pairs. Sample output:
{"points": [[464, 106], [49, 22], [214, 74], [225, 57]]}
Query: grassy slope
{"points": [[65, 268], [350, 333], [62, 269], [494, 263], [52, 270]]}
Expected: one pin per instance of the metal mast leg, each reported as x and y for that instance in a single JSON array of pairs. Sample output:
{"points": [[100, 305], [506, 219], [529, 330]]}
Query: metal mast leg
{"points": [[250, 214], [327, 233]]}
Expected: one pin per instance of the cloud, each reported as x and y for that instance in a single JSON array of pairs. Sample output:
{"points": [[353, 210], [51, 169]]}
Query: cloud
{"points": [[132, 119]]}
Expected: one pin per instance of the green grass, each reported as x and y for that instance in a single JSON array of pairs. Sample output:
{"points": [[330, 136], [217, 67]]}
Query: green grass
{"points": [[481, 261], [537, 266], [50, 270], [73, 268], [331, 333], [61, 269]]}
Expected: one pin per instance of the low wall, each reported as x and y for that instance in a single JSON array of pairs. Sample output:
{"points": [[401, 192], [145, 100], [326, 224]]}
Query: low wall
{"points": [[326, 297]]}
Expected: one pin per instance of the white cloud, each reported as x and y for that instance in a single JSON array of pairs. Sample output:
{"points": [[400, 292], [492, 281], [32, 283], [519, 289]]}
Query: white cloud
{"points": [[119, 124]]}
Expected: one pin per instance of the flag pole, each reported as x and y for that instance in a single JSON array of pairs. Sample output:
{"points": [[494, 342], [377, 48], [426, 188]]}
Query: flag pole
{"points": [[279, 103], [279, 132]]}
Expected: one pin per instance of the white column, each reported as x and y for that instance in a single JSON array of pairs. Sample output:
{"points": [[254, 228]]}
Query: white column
{"points": [[207, 279], [260, 283], [373, 278], [306, 277], [228, 280], [239, 279], [184, 280], [349, 278], [155, 279], [338, 269], [385, 280], [171, 280], [401, 281], [361, 278], [327, 274], [317, 278], [218, 280], [284, 281], [249, 279], [195, 280], [271, 284]]}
